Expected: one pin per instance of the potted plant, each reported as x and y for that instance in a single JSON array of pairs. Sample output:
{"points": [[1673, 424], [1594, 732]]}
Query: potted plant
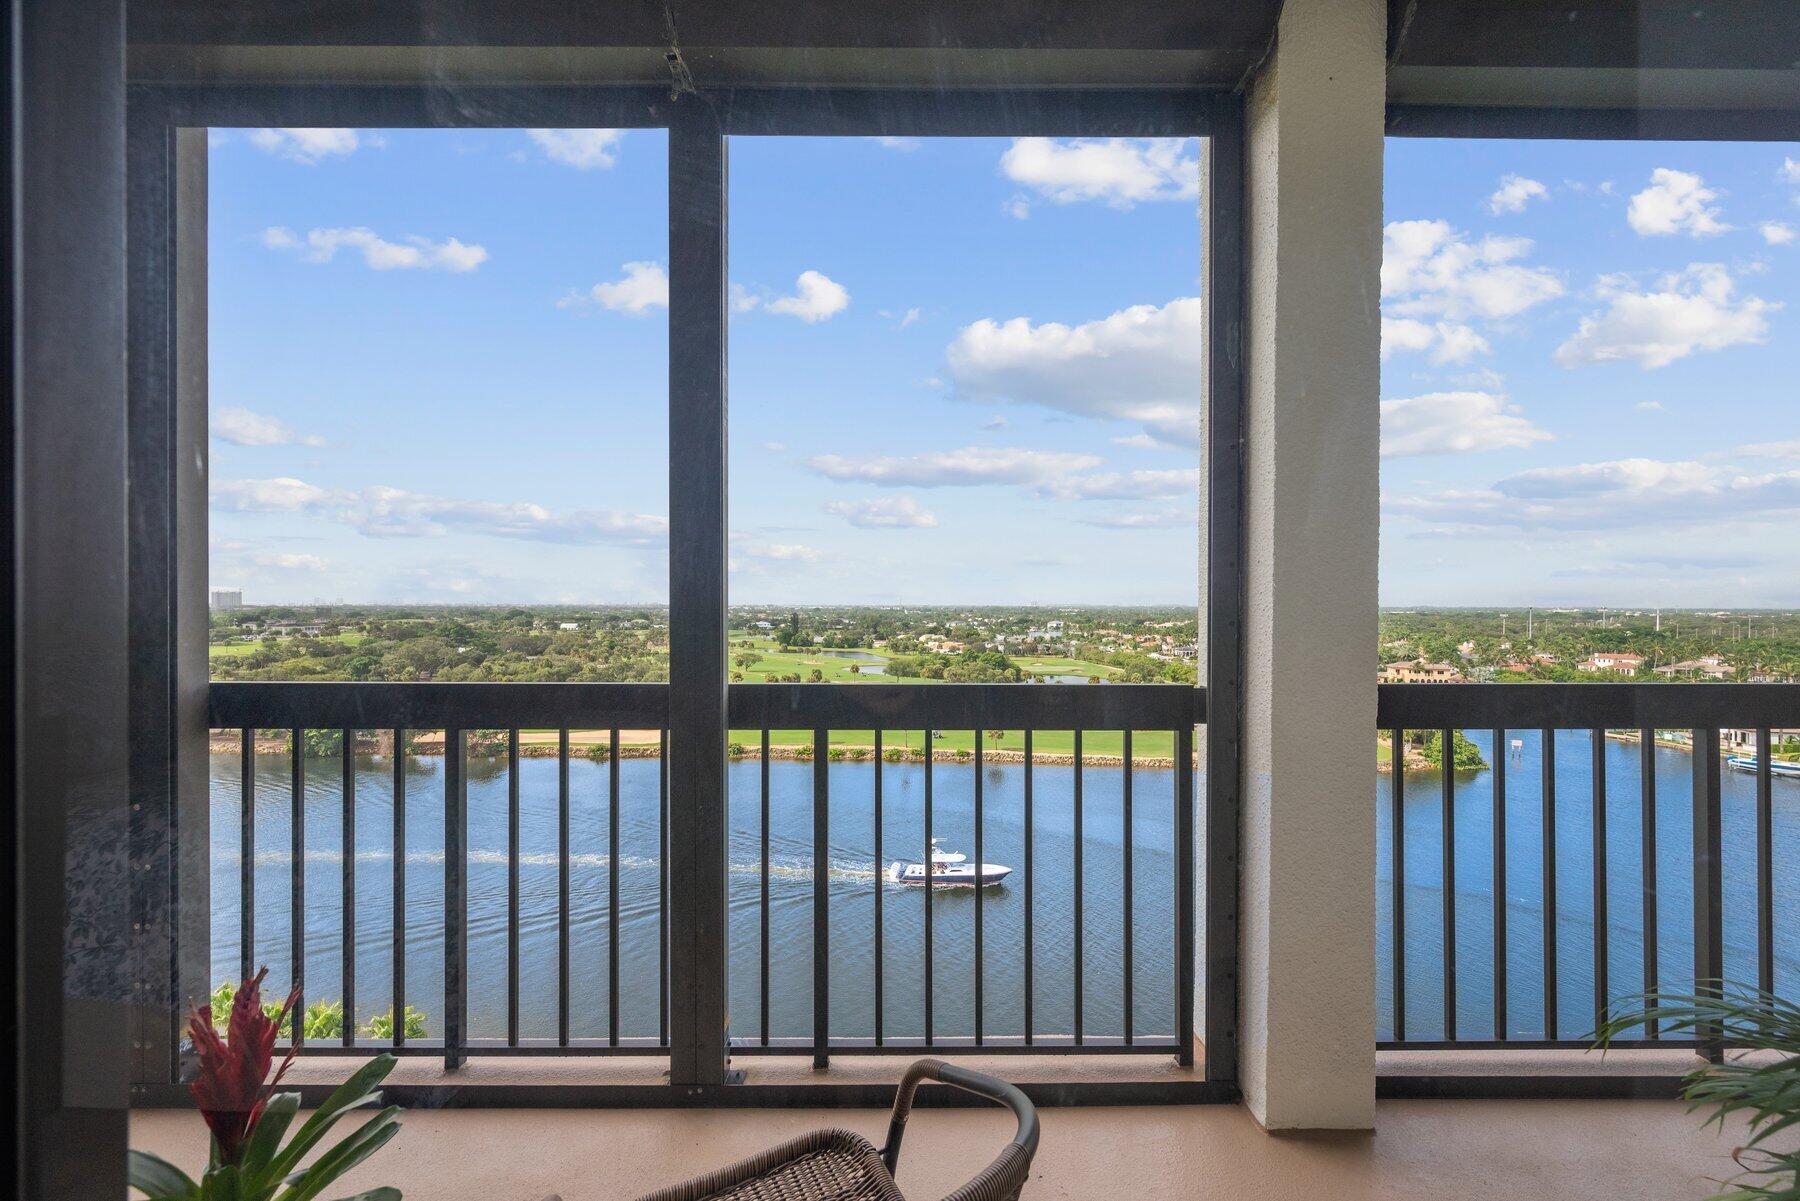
{"points": [[1763, 1089], [249, 1120]]}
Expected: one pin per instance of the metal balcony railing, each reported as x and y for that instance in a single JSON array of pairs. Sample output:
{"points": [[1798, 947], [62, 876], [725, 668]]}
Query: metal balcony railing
{"points": [[1089, 947], [1609, 847]]}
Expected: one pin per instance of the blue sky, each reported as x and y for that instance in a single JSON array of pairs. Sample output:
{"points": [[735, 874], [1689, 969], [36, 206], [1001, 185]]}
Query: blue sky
{"points": [[966, 370], [1589, 374]]}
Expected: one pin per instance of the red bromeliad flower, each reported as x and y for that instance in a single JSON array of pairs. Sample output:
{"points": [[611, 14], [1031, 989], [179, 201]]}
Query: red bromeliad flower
{"points": [[233, 1085]]}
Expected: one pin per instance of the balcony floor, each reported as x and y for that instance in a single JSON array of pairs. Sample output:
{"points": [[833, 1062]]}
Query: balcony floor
{"points": [[1491, 1150]]}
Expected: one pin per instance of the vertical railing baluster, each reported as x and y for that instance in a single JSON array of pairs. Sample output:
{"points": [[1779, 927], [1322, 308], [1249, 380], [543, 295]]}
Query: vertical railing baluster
{"points": [[763, 969], [821, 900], [1127, 899], [930, 884], [399, 897], [1447, 779], [612, 889], [563, 919], [662, 870], [1499, 822], [347, 792], [1602, 985], [456, 899], [297, 883], [880, 964], [1397, 905], [513, 952], [1186, 881], [1647, 855], [980, 862], [1765, 861], [246, 853], [1030, 976], [1080, 932], [1548, 787], [1709, 916]]}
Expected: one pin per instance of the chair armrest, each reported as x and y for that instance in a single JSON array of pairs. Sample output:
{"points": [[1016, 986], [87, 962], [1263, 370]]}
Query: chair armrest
{"points": [[979, 1083]]}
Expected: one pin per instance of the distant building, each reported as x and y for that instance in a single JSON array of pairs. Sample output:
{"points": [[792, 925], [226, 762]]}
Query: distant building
{"points": [[1710, 666], [1421, 672], [568, 625], [1619, 662], [222, 600]]}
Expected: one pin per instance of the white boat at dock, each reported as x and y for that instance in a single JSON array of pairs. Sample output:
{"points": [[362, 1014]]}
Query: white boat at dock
{"points": [[949, 870], [1777, 767]]}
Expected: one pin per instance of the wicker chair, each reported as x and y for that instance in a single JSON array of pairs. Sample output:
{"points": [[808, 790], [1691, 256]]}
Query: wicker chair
{"points": [[836, 1165]]}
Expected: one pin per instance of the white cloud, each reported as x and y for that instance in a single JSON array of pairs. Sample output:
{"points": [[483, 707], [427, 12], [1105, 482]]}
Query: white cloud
{"points": [[1648, 406], [971, 466], [1119, 171], [1018, 207], [1617, 494], [1687, 311], [1448, 341], [1400, 334], [896, 512], [283, 494], [383, 512], [1771, 450], [893, 143], [310, 146], [414, 254], [1144, 364], [1454, 423], [756, 556], [1429, 268], [1776, 233], [1161, 519], [1514, 193], [742, 299], [1060, 475], [1138, 442], [241, 427], [1161, 484], [817, 297], [1675, 202], [1790, 170], [288, 561], [583, 149], [909, 317], [644, 286]]}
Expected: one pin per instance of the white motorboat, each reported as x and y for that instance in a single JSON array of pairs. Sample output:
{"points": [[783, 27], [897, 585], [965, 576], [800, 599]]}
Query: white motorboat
{"points": [[949, 870]]}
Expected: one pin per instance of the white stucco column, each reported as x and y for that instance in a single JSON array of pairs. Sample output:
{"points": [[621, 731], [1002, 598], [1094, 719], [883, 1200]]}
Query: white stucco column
{"points": [[1313, 153]]}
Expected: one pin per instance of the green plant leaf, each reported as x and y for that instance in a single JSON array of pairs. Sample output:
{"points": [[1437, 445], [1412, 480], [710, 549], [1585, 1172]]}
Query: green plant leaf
{"points": [[375, 1194], [356, 1147], [222, 1183], [266, 1140], [1765, 1094], [354, 1093], [157, 1178]]}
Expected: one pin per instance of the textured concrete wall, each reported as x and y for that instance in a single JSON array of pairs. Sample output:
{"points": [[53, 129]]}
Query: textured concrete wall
{"points": [[1313, 192]]}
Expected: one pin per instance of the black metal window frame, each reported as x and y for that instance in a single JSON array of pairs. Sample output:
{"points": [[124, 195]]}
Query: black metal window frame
{"points": [[167, 179], [1699, 709]]}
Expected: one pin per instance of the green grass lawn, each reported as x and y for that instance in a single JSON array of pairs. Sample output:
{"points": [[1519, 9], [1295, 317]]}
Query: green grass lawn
{"points": [[237, 650], [773, 661]]}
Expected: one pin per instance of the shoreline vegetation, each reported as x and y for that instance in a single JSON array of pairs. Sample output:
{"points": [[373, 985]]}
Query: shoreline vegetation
{"points": [[787, 745], [1052, 749]]}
